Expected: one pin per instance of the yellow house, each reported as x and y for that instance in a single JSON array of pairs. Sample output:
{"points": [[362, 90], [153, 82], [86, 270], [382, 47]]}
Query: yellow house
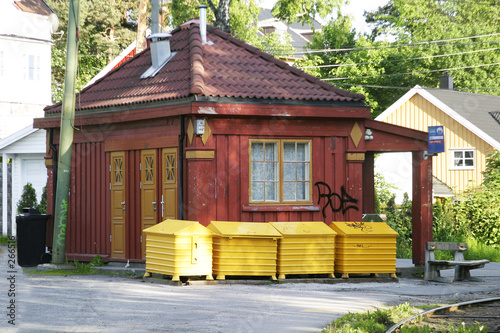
{"points": [[471, 125]]}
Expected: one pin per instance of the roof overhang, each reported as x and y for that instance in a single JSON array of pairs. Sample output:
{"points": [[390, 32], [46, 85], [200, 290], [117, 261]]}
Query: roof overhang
{"points": [[215, 106], [393, 138]]}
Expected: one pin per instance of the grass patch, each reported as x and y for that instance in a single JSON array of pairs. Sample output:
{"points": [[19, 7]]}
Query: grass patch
{"points": [[379, 321], [372, 321], [4, 240], [80, 269], [478, 250]]}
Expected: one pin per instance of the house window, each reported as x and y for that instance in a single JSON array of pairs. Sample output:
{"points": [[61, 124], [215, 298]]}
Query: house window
{"points": [[280, 171], [1, 64], [463, 158], [31, 67]]}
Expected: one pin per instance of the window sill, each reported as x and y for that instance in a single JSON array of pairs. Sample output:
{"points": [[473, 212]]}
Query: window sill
{"points": [[287, 208], [460, 169]]}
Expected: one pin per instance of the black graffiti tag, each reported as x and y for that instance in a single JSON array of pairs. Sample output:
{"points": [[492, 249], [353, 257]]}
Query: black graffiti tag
{"points": [[344, 199]]}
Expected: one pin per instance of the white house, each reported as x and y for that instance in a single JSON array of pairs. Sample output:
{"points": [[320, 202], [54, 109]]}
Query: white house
{"points": [[25, 89]]}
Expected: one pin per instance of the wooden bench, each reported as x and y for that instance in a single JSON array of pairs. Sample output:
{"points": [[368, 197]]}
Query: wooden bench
{"points": [[462, 267]]}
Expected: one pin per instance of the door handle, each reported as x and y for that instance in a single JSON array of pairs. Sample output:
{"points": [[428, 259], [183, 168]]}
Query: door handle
{"points": [[154, 203], [162, 206], [123, 204]]}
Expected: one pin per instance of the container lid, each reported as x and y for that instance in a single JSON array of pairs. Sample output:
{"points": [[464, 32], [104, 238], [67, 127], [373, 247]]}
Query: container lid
{"points": [[362, 228], [303, 228], [244, 229], [178, 227]]}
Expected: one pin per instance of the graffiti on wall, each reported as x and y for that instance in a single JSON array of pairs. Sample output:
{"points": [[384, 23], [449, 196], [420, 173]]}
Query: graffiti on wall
{"points": [[337, 202], [61, 237]]}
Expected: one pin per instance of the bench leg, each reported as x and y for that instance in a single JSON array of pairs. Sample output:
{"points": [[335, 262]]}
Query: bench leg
{"points": [[430, 272], [433, 274], [463, 273]]}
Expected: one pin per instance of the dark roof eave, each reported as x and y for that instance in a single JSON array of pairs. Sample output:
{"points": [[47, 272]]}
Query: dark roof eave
{"points": [[340, 109]]}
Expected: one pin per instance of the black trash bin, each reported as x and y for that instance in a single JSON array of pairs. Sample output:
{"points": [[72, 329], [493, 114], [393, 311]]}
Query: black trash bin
{"points": [[31, 230]]}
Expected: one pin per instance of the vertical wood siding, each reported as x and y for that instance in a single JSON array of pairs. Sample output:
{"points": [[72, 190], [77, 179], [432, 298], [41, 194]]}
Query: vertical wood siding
{"points": [[87, 230], [329, 166], [418, 113]]}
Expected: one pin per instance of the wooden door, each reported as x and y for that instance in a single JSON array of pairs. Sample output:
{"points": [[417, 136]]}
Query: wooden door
{"points": [[169, 202], [118, 204], [149, 202]]}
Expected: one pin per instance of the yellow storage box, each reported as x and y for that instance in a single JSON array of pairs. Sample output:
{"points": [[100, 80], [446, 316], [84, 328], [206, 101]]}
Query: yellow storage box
{"points": [[179, 248], [244, 249], [364, 247], [305, 248]]}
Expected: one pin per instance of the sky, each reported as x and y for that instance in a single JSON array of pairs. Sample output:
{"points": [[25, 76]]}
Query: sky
{"points": [[356, 8]]}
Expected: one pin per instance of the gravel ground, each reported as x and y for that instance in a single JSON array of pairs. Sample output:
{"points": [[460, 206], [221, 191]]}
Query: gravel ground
{"points": [[103, 303]]}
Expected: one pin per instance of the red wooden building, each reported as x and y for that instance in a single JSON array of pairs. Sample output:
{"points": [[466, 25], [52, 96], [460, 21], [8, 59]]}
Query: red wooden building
{"points": [[210, 128]]}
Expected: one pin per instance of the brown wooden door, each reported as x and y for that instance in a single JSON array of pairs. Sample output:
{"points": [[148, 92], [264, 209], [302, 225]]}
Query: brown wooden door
{"points": [[169, 202], [118, 204], [149, 202]]}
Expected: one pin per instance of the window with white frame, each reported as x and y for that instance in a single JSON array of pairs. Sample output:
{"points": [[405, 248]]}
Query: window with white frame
{"points": [[463, 158], [31, 67], [2, 64], [280, 171]]}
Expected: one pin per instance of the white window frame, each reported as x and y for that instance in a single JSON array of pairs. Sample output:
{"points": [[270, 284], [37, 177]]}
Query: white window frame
{"points": [[279, 179], [453, 158], [2, 64], [31, 67]]}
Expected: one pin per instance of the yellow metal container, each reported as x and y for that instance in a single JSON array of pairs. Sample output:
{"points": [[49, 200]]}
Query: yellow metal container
{"points": [[244, 249], [179, 248], [305, 248], [364, 247]]}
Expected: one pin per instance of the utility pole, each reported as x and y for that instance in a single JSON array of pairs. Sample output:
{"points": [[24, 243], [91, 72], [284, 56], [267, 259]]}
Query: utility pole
{"points": [[66, 137]]}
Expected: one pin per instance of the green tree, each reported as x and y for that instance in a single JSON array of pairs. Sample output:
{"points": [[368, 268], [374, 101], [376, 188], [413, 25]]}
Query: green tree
{"points": [[106, 28], [413, 42], [243, 19], [303, 11], [28, 198]]}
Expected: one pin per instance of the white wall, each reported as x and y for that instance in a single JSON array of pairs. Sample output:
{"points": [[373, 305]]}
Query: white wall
{"points": [[25, 67]]}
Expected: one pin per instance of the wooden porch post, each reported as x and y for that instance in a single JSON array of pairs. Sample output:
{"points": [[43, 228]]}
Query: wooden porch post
{"points": [[421, 205], [369, 184]]}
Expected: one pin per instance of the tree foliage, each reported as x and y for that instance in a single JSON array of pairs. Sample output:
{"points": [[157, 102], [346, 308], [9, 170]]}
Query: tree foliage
{"points": [[106, 28], [303, 11], [413, 42], [492, 172]]}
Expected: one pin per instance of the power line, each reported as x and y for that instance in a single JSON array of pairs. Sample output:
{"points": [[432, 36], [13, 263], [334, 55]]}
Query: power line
{"points": [[410, 73], [406, 45], [405, 88], [399, 60]]}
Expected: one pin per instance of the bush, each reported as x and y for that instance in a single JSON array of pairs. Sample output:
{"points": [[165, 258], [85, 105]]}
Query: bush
{"points": [[478, 214], [400, 219], [42, 206], [28, 198]]}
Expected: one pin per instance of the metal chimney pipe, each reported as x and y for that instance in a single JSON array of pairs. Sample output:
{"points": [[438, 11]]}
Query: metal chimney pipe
{"points": [[203, 23]]}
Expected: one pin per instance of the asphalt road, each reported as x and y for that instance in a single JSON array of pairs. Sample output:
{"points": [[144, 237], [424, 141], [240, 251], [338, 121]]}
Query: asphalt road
{"points": [[102, 303]]}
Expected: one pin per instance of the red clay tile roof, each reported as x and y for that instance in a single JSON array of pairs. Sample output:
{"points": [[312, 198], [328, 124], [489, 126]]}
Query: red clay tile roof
{"points": [[34, 7], [227, 68]]}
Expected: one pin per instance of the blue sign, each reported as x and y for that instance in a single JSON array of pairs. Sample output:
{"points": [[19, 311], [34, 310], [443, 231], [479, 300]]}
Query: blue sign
{"points": [[436, 139]]}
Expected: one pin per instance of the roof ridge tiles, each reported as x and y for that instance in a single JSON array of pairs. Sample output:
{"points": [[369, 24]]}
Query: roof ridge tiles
{"points": [[197, 69], [284, 65]]}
